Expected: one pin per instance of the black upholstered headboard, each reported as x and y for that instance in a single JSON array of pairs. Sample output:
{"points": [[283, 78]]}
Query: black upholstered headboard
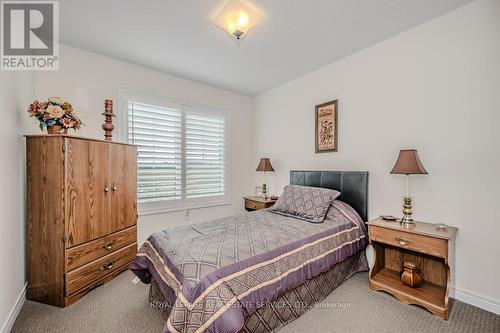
{"points": [[353, 186]]}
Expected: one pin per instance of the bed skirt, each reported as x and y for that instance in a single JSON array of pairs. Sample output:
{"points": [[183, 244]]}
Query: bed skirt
{"points": [[288, 307]]}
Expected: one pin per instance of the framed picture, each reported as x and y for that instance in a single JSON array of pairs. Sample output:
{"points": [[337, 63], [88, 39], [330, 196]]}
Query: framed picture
{"points": [[326, 139]]}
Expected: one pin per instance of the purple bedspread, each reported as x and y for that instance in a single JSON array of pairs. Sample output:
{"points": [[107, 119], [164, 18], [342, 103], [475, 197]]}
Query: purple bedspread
{"points": [[217, 273]]}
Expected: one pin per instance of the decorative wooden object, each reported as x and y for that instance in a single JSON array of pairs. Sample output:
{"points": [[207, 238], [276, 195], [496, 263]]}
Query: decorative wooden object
{"points": [[108, 114], [410, 275], [82, 215], [430, 249], [256, 203]]}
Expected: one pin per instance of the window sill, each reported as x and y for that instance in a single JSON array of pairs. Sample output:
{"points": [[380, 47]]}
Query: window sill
{"points": [[146, 212]]}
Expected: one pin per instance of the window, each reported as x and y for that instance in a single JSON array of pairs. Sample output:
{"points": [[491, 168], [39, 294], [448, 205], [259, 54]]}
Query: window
{"points": [[181, 154]]}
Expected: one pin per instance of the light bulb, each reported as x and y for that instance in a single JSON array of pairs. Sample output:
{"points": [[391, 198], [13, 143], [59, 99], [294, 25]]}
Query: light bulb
{"points": [[242, 20]]}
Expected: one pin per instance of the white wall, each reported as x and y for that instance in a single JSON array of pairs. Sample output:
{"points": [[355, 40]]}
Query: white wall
{"points": [[86, 79], [435, 88], [16, 92]]}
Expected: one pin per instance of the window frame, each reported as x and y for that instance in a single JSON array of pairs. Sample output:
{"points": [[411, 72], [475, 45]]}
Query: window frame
{"points": [[166, 206]]}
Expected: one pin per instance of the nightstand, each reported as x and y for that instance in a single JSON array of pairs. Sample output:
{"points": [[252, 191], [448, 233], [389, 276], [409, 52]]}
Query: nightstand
{"points": [[431, 249], [256, 203]]}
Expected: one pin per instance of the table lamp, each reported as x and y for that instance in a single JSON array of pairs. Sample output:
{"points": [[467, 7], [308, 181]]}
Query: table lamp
{"points": [[264, 165], [408, 164]]}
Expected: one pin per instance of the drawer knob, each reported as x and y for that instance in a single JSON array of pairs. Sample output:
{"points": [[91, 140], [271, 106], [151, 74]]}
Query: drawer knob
{"points": [[402, 241], [108, 265], [106, 189], [108, 245], [253, 206], [114, 188]]}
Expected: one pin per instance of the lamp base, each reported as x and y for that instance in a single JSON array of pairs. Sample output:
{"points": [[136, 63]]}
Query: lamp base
{"points": [[264, 191], [407, 220], [406, 224]]}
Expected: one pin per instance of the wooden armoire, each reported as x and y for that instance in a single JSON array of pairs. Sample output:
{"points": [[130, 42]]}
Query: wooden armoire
{"points": [[81, 215]]}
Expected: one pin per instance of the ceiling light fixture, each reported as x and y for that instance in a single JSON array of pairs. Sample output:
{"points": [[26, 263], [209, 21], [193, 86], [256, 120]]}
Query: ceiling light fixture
{"points": [[237, 17]]}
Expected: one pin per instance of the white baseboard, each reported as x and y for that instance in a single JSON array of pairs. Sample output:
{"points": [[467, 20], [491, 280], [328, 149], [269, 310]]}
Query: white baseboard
{"points": [[476, 300], [11, 318]]}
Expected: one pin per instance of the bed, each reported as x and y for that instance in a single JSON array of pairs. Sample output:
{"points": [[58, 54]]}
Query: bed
{"points": [[258, 271]]}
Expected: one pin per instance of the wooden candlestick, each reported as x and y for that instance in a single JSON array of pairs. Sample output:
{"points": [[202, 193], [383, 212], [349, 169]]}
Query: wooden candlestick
{"points": [[108, 124]]}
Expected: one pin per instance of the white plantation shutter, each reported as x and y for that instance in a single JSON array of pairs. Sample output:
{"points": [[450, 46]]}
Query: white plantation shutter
{"points": [[205, 155], [181, 154], [158, 133]]}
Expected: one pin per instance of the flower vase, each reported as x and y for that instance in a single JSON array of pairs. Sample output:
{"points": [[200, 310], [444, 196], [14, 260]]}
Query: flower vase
{"points": [[56, 129]]}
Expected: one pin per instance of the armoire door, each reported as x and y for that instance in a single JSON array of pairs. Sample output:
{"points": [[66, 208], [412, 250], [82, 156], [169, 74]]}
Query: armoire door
{"points": [[88, 191], [123, 186]]}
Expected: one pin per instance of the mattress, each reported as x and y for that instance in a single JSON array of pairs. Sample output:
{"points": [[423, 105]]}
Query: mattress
{"points": [[215, 275]]}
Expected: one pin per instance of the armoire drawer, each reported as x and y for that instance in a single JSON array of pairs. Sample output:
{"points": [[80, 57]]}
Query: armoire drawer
{"points": [[84, 275], [85, 253]]}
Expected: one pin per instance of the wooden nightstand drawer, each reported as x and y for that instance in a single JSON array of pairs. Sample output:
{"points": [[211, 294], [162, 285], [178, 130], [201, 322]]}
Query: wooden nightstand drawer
{"points": [[250, 204], [256, 203], [419, 243]]}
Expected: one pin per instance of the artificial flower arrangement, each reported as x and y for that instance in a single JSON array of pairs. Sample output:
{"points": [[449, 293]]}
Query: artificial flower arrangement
{"points": [[56, 114]]}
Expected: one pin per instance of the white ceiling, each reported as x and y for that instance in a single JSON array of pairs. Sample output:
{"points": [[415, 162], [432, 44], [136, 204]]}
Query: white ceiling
{"points": [[295, 37]]}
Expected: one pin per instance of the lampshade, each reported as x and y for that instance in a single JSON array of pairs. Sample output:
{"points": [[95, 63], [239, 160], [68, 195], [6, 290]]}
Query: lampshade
{"points": [[265, 165], [408, 163]]}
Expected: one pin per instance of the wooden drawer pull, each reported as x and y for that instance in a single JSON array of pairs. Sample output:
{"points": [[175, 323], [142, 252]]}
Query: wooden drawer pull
{"points": [[402, 241], [108, 245], [108, 265], [253, 206]]}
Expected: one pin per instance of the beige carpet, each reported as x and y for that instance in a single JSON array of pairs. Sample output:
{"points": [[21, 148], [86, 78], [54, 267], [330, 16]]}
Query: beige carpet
{"points": [[121, 306]]}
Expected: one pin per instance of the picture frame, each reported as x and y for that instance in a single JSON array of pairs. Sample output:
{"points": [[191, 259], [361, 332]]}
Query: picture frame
{"points": [[326, 127]]}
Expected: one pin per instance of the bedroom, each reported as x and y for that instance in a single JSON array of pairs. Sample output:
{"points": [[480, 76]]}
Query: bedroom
{"points": [[405, 75]]}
